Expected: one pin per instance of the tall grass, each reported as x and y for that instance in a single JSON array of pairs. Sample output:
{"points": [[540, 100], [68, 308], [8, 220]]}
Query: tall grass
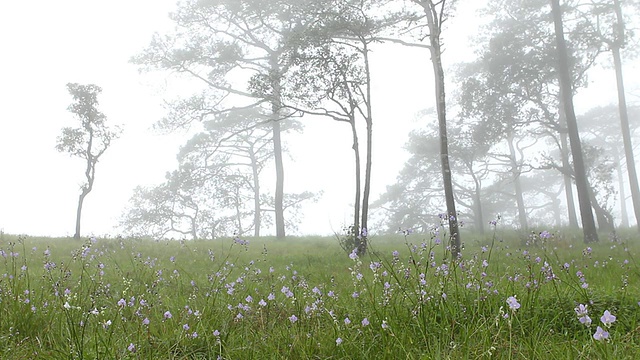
{"points": [[507, 297]]}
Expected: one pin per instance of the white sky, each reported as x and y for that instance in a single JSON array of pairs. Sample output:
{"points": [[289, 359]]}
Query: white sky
{"points": [[46, 44]]}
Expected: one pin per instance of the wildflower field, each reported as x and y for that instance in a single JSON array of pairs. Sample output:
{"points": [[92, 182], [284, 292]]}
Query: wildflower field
{"points": [[546, 295]]}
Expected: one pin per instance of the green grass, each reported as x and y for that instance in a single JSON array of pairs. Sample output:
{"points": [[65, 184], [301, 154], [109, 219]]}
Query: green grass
{"points": [[304, 298]]}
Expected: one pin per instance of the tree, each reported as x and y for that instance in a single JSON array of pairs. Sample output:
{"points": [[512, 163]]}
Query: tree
{"points": [[90, 140], [243, 146], [190, 202], [566, 92], [609, 26], [602, 131], [514, 86], [436, 14], [415, 197], [329, 82], [239, 52], [332, 78]]}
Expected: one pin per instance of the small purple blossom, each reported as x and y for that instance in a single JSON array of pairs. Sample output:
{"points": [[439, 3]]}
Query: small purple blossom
{"points": [[581, 310], [607, 319], [585, 320], [513, 303], [600, 334]]}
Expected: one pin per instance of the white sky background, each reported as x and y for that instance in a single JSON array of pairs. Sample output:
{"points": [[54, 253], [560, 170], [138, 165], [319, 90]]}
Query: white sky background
{"points": [[46, 44]]}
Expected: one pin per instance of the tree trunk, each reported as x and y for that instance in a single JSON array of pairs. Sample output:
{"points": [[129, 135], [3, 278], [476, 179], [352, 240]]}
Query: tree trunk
{"points": [[588, 223], [257, 215], [515, 170], [626, 133], [194, 226], [90, 174], [556, 211], [623, 197], [604, 218], [356, 151], [276, 105], [479, 218], [279, 198], [238, 205], [79, 212], [436, 60], [568, 184], [362, 246]]}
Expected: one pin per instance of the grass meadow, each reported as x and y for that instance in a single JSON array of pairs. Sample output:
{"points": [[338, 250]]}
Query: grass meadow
{"points": [[539, 296]]}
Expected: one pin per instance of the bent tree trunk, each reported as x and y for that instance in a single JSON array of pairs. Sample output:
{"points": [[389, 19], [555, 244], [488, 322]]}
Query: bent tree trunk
{"points": [[90, 174], [515, 171], [79, 212], [588, 222], [604, 218], [477, 203]]}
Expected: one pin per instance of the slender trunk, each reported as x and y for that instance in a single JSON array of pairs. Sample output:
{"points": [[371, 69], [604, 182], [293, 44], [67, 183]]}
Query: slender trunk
{"points": [[626, 134], [276, 105], [588, 223], [279, 198], [194, 226], [239, 212], [362, 248], [79, 213], [623, 197], [568, 183], [356, 152], [438, 71], [479, 216], [89, 173], [515, 171], [256, 192], [556, 211], [477, 200]]}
